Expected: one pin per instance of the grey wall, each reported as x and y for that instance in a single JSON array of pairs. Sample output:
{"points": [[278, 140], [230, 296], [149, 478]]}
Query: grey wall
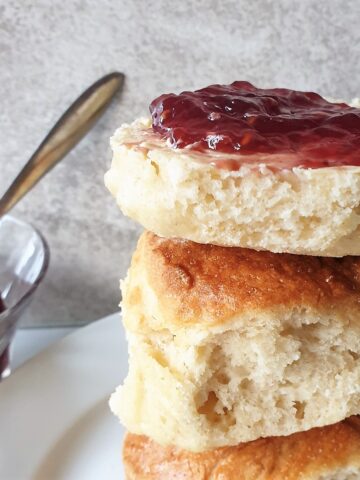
{"points": [[51, 50]]}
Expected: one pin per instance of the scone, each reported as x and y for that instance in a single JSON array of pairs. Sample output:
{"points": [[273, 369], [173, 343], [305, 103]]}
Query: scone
{"points": [[280, 172], [228, 345], [328, 453]]}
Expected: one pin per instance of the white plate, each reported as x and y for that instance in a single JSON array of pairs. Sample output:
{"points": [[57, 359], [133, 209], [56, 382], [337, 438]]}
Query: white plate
{"points": [[55, 423]]}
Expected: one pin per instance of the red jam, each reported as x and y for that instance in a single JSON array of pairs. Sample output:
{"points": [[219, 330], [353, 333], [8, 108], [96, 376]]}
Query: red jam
{"points": [[2, 306], [4, 355], [247, 121]]}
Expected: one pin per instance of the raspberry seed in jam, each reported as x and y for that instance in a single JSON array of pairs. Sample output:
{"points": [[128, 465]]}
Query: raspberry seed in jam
{"points": [[251, 122]]}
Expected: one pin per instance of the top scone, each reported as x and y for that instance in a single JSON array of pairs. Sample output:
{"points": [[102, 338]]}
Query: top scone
{"points": [[263, 200]]}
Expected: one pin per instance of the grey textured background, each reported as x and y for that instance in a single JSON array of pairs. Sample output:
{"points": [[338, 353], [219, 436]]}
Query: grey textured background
{"points": [[51, 50]]}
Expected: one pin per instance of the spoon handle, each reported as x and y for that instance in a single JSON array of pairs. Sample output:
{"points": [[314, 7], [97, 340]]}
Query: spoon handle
{"points": [[66, 133]]}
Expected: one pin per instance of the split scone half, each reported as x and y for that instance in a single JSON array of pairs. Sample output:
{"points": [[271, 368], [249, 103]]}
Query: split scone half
{"points": [[181, 193], [327, 453], [227, 345]]}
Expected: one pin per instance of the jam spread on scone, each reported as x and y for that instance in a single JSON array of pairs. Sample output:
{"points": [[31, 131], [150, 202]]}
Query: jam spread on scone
{"points": [[278, 127]]}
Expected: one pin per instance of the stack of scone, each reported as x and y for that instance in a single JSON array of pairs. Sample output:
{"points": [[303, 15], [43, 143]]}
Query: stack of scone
{"points": [[242, 309]]}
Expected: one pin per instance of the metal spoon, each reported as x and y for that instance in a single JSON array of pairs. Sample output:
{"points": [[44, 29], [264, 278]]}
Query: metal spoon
{"points": [[67, 132]]}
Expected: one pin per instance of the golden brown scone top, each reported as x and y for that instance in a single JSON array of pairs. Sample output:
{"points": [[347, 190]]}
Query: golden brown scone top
{"points": [[298, 456], [196, 283]]}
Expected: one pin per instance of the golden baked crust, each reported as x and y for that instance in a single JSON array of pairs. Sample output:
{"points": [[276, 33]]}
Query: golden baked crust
{"points": [[228, 345], [327, 452], [207, 284]]}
